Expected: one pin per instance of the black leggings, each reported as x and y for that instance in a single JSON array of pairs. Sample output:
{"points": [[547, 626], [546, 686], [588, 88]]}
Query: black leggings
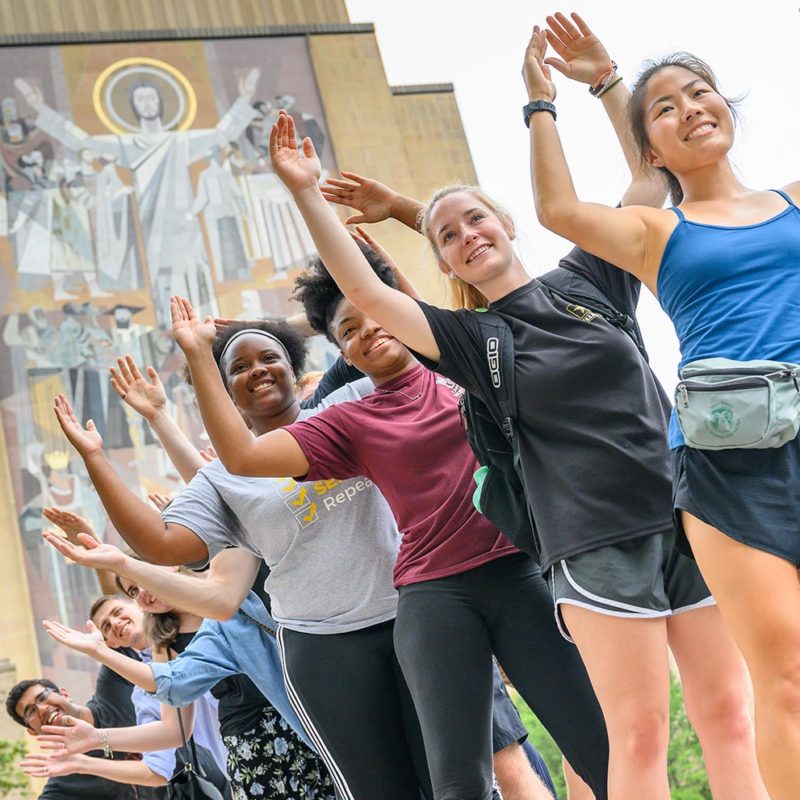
{"points": [[349, 692], [445, 633]]}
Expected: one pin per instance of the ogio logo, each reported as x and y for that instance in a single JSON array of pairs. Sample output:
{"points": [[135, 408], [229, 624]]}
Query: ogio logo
{"points": [[493, 357], [722, 422], [587, 315]]}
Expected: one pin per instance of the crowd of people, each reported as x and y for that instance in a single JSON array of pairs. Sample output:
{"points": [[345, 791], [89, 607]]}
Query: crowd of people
{"points": [[324, 608]]}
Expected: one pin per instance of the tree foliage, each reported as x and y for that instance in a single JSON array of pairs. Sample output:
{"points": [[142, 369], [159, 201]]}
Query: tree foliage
{"points": [[11, 777]]}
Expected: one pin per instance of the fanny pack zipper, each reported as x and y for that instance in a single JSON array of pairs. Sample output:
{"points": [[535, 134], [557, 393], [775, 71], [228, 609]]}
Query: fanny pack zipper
{"points": [[753, 378]]}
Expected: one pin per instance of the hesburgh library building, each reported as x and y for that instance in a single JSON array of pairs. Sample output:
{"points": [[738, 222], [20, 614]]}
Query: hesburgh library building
{"points": [[134, 166]]}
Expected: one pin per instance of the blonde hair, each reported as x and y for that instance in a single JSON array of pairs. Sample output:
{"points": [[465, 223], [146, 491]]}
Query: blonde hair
{"points": [[462, 294]]}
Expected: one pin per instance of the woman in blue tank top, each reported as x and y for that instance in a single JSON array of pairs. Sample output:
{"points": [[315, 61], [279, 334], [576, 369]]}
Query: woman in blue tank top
{"points": [[725, 265]]}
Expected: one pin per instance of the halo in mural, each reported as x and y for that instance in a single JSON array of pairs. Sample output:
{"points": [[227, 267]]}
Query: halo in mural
{"points": [[131, 88]]}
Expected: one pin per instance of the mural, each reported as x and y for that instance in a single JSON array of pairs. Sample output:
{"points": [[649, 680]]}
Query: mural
{"points": [[130, 172]]}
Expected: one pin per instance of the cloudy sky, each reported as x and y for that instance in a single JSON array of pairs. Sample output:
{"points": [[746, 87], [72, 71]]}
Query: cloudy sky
{"points": [[478, 46]]}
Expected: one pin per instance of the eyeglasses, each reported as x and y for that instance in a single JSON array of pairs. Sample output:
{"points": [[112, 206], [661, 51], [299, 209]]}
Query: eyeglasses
{"points": [[31, 709]]}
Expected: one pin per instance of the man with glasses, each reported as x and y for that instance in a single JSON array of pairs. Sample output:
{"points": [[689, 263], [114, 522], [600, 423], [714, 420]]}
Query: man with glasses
{"points": [[39, 702]]}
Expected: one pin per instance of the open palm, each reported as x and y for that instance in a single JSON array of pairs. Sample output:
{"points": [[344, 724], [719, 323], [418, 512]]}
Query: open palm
{"points": [[582, 56], [73, 737], [80, 642], [190, 332], [144, 395], [298, 172], [88, 552], [86, 441], [372, 198]]}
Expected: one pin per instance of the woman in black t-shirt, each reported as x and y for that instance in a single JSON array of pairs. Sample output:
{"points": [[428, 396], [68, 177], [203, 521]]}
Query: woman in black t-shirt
{"points": [[592, 429]]}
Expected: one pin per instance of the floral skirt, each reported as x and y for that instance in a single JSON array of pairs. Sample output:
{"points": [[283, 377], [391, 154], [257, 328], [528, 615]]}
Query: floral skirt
{"points": [[271, 761]]}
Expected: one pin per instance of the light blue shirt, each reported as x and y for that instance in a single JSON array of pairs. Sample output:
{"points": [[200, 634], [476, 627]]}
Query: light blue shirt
{"points": [[234, 646]]}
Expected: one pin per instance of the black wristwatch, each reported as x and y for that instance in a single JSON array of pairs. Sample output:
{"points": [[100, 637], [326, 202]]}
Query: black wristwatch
{"points": [[534, 106]]}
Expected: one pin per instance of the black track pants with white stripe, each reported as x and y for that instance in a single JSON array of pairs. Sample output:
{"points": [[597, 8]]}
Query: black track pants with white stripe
{"points": [[352, 699]]}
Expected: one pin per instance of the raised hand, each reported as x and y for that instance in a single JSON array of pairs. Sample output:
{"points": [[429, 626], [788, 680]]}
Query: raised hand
{"points": [[144, 395], [582, 56], [70, 523], [160, 501], [86, 643], [371, 198], [87, 441], [297, 172], [72, 737], [209, 454], [40, 765], [190, 332], [535, 72], [88, 552]]}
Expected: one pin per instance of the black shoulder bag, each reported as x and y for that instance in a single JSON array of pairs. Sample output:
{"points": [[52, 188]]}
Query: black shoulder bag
{"points": [[189, 783]]}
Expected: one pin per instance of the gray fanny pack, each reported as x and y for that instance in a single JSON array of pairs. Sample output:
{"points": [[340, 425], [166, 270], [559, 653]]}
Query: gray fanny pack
{"points": [[723, 404]]}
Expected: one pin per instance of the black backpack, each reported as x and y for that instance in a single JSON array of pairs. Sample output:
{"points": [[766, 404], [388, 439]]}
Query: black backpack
{"points": [[491, 427]]}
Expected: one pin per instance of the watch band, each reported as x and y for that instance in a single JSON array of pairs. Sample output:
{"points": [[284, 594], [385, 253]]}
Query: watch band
{"points": [[534, 106]]}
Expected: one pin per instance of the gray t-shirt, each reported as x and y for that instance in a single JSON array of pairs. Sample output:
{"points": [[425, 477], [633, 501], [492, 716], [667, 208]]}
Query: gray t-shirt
{"points": [[330, 545]]}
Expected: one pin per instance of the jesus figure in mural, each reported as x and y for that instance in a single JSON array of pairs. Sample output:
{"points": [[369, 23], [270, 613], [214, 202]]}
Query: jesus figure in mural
{"points": [[159, 161]]}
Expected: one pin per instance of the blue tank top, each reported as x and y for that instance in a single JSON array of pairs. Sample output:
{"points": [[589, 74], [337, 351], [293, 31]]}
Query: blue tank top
{"points": [[733, 292]]}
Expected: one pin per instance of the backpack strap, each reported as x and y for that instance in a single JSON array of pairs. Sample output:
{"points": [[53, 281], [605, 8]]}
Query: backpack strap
{"points": [[575, 289], [499, 352]]}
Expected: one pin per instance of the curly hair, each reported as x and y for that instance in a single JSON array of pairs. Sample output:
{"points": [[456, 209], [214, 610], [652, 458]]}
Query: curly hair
{"points": [[15, 695], [320, 296], [290, 337]]}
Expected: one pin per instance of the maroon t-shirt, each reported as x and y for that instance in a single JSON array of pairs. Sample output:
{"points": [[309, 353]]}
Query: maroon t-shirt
{"points": [[415, 450]]}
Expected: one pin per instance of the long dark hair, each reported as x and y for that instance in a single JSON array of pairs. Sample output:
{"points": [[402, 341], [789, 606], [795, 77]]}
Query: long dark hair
{"points": [[636, 105]]}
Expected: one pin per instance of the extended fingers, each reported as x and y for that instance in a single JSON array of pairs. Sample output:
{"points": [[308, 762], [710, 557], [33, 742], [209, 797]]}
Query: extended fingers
{"points": [[61, 544]]}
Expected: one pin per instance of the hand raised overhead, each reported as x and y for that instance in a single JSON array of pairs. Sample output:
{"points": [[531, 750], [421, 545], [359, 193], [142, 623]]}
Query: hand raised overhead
{"points": [[371, 198], [535, 72], [191, 333], [87, 441], [583, 57], [298, 172], [144, 395]]}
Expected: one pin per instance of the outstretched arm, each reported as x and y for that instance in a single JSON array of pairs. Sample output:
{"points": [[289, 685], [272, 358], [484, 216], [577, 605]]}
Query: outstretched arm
{"points": [[397, 313], [583, 58], [137, 522], [147, 397], [273, 454], [620, 236], [39, 765], [229, 578], [93, 645], [77, 736]]}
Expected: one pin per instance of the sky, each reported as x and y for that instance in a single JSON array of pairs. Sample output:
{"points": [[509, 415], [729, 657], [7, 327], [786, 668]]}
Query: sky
{"points": [[479, 46]]}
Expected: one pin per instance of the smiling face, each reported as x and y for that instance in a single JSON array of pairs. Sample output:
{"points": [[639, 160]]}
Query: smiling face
{"points": [[120, 622], [366, 345], [687, 122], [143, 598], [40, 705], [259, 377], [471, 240]]}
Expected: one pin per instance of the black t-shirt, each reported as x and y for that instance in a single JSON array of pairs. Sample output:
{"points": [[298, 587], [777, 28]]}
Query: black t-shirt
{"points": [[241, 704], [592, 417]]}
